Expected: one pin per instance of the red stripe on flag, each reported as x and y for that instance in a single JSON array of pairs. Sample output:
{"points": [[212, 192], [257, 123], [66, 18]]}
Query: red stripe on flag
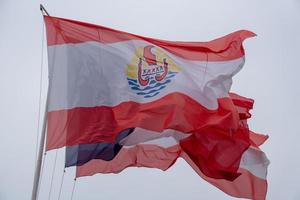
{"points": [[217, 155], [246, 185], [174, 111], [65, 31], [144, 155]]}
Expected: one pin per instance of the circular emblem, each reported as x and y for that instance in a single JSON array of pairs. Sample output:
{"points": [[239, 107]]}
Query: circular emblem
{"points": [[150, 71]]}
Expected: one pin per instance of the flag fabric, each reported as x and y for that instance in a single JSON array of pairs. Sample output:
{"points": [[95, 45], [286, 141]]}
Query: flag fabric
{"points": [[80, 154], [142, 136], [251, 183], [119, 100], [161, 152], [98, 82]]}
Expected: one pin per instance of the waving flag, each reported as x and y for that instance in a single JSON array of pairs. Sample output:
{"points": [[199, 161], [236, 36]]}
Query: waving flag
{"points": [[161, 151], [109, 90], [102, 81]]}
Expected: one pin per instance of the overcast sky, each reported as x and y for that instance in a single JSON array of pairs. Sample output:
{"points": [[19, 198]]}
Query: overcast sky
{"points": [[270, 76]]}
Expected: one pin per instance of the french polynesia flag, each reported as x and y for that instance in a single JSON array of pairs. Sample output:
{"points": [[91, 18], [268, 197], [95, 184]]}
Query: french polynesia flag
{"points": [[103, 82]]}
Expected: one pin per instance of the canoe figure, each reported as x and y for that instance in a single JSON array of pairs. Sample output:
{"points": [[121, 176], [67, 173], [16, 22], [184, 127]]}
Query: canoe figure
{"points": [[158, 72]]}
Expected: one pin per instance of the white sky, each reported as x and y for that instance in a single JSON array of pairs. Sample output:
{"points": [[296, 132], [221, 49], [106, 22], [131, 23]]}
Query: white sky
{"points": [[269, 76]]}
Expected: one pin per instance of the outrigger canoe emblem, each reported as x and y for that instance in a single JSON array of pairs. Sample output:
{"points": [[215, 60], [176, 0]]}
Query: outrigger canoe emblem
{"points": [[150, 70], [158, 71]]}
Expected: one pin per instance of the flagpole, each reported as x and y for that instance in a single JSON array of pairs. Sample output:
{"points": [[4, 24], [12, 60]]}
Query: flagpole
{"points": [[40, 155], [38, 166]]}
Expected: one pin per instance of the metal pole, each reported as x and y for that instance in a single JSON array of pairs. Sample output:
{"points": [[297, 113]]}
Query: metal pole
{"points": [[40, 155], [37, 173]]}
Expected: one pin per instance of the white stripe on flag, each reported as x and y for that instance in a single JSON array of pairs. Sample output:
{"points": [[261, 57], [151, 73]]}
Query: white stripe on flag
{"points": [[85, 74]]}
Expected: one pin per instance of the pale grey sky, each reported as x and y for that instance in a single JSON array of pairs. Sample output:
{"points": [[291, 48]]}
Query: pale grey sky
{"points": [[270, 76]]}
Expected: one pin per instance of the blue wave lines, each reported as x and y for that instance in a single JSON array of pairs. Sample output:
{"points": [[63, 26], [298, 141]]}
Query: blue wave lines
{"points": [[153, 88]]}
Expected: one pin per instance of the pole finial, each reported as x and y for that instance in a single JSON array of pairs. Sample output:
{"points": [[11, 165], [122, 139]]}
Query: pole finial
{"points": [[43, 10]]}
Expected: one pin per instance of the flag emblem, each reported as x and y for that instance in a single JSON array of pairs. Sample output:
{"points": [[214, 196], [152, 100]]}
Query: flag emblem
{"points": [[150, 71]]}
